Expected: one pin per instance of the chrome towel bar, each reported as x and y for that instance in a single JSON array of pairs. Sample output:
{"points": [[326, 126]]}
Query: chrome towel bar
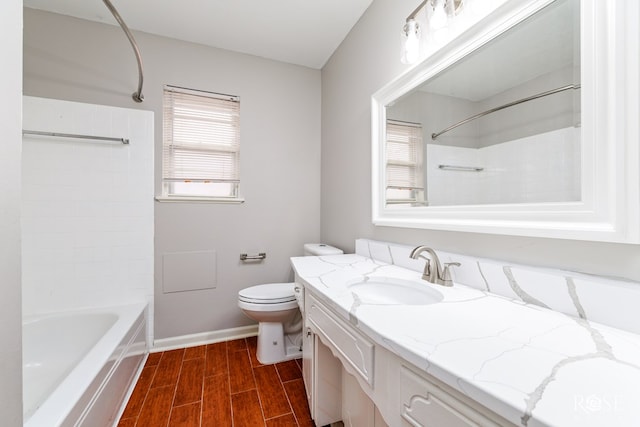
{"points": [[124, 141], [259, 257], [461, 168]]}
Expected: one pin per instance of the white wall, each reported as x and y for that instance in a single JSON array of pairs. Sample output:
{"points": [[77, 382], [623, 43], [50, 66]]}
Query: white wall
{"points": [[10, 129], [73, 59], [367, 60], [87, 207]]}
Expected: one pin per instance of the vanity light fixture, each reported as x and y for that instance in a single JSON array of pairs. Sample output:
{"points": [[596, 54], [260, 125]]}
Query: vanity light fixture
{"points": [[438, 13]]}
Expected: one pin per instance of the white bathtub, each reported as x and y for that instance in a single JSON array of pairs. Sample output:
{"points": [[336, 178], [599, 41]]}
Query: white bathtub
{"points": [[79, 366]]}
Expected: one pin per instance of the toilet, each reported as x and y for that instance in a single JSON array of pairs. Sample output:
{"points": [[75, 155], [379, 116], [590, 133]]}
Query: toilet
{"points": [[275, 307]]}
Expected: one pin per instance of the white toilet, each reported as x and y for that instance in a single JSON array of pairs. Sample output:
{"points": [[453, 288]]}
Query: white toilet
{"points": [[275, 308]]}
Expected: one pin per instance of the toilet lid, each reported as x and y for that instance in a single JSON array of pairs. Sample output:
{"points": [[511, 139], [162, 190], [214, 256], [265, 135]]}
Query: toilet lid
{"points": [[272, 293]]}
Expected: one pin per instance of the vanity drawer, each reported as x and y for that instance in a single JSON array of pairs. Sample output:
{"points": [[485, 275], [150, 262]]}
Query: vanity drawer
{"points": [[346, 343], [425, 404]]}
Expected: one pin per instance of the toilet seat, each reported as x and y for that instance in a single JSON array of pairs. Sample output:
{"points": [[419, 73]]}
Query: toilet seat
{"points": [[271, 293]]}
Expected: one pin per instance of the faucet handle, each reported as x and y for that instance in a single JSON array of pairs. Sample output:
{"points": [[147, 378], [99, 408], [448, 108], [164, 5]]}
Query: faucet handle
{"points": [[427, 274], [446, 273]]}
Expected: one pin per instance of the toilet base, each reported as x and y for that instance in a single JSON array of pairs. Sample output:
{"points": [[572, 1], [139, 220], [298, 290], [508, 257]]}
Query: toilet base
{"points": [[275, 346]]}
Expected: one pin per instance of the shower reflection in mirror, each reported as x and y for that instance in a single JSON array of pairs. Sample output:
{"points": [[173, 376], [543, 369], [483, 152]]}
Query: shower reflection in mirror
{"points": [[506, 117]]}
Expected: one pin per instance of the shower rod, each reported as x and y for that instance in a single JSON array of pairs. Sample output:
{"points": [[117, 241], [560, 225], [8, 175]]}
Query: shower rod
{"points": [[137, 96], [435, 135]]}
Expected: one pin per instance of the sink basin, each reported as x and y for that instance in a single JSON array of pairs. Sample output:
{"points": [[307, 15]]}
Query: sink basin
{"points": [[392, 291]]}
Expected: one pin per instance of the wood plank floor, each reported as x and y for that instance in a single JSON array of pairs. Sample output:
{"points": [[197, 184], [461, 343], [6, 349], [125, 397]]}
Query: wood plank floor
{"points": [[219, 385]]}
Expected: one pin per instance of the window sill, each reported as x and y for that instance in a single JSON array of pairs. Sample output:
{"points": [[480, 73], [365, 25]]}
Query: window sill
{"points": [[183, 199]]}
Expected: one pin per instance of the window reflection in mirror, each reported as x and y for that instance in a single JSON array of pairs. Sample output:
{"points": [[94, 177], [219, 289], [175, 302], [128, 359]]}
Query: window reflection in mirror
{"points": [[404, 165], [480, 142]]}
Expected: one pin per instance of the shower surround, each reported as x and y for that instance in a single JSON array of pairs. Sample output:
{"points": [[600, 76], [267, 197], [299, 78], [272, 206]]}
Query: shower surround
{"points": [[87, 243]]}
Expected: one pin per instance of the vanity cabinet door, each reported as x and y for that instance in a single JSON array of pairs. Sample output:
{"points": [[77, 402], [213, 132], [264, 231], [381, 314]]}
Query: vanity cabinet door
{"points": [[327, 385], [321, 373], [424, 404], [357, 409], [307, 364]]}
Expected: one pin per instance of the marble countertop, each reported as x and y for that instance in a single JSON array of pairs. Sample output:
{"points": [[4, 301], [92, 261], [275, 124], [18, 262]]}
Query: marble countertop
{"points": [[531, 365]]}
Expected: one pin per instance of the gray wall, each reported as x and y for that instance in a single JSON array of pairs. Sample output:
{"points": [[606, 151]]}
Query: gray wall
{"points": [[367, 60], [78, 60], [10, 129]]}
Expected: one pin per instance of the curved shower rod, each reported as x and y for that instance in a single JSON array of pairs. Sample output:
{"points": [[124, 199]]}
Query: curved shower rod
{"points": [[137, 96], [502, 107]]}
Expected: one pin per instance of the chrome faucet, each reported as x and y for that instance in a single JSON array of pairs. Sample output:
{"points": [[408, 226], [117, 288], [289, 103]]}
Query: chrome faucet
{"points": [[433, 271]]}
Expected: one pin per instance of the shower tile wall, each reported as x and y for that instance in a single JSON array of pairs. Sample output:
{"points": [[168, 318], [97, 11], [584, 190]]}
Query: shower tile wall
{"points": [[508, 174], [87, 207]]}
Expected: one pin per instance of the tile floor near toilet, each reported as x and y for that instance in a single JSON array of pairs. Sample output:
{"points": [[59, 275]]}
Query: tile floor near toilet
{"points": [[219, 385]]}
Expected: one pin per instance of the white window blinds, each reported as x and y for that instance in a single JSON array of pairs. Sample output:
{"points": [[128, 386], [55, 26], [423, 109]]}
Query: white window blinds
{"points": [[201, 144], [404, 171]]}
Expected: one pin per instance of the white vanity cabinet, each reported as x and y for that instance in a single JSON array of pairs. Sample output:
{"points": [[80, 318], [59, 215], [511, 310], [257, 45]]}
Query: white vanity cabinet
{"points": [[357, 408], [307, 363], [322, 380], [425, 402], [321, 373], [355, 351], [350, 378], [329, 344]]}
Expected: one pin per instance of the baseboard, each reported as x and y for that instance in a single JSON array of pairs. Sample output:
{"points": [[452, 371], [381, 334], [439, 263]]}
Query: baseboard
{"points": [[202, 338]]}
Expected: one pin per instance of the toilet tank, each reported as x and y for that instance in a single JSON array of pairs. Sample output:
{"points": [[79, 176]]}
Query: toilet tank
{"points": [[320, 249]]}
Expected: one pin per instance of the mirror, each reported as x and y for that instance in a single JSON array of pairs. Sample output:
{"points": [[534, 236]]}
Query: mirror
{"points": [[509, 129], [501, 125]]}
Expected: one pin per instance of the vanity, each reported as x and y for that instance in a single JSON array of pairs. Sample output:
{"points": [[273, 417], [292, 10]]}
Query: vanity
{"points": [[506, 345]]}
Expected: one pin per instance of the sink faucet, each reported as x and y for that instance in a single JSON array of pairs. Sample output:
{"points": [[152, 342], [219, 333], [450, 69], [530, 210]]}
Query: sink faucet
{"points": [[433, 271]]}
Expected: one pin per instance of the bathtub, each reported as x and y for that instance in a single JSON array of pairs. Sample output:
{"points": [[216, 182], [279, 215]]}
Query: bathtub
{"points": [[79, 366]]}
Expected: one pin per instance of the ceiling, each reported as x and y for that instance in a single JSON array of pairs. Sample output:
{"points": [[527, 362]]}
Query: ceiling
{"points": [[303, 32]]}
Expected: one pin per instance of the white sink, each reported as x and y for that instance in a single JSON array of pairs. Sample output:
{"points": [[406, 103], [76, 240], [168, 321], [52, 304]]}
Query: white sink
{"points": [[393, 291]]}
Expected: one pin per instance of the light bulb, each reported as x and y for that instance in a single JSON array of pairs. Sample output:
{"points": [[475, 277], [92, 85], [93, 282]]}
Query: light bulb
{"points": [[411, 45], [439, 16], [450, 7]]}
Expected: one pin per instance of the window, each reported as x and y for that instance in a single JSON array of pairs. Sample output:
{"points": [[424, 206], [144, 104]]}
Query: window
{"points": [[201, 145], [404, 171]]}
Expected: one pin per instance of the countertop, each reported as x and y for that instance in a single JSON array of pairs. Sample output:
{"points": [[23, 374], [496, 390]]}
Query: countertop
{"points": [[529, 364]]}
